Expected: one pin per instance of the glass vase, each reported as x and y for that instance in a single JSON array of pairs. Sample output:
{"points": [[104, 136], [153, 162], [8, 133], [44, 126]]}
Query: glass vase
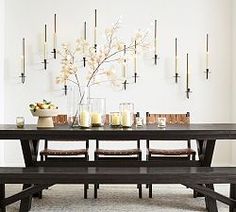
{"points": [[76, 96], [98, 112], [127, 114]]}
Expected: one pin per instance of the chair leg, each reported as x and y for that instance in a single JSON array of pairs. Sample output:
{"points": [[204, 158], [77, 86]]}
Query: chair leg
{"points": [[85, 191], [95, 191], [150, 190], [140, 191], [2, 197]]}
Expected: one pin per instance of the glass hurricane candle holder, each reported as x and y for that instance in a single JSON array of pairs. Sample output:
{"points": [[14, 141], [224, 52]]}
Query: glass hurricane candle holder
{"points": [[84, 115], [127, 114], [98, 112], [114, 119]]}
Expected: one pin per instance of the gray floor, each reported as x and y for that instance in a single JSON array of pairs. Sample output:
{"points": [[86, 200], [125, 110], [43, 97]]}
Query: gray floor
{"points": [[168, 198]]}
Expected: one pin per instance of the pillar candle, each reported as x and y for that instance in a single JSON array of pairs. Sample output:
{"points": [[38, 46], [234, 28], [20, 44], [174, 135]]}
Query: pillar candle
{"points": [[84, 119], [126, 119], [115, 119], [96, 118]]}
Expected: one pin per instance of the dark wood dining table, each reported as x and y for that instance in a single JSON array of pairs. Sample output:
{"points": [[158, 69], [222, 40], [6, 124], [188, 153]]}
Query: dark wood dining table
{"points": [[205, 136]]}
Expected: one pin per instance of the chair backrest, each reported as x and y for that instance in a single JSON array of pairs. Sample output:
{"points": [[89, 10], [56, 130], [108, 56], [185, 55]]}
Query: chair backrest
{"points": [[170, 118], [181, 118], [60, 119]]}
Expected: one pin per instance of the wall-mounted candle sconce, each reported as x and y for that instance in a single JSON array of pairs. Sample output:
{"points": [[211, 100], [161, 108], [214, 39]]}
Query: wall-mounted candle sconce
{"points": [[23, 62], [85, 37], [54, 51], [207, 57], [95, 31], [176, 61], [155, 44], [45, 48], [135, 62], [125, 69], [188, 90]]}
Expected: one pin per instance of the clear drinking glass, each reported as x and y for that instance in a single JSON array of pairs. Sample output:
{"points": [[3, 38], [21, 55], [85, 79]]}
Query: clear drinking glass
{"points": [[20, 122], [114, 119], [127, 114], [98, 111], [161, 122], [84, 115]]}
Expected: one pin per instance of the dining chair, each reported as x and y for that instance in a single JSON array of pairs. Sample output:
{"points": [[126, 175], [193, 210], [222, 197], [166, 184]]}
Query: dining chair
{"points": [[118, 156], [64, 156], [169, 155]]}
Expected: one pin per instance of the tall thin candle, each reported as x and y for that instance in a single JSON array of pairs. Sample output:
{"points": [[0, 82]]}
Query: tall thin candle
{"points": [[135, 57], [176, 56], [124, 64], [85, 31], [207, 56], [187, 79], [23, 57], [155, 43], [55, 37], [45, 42]]}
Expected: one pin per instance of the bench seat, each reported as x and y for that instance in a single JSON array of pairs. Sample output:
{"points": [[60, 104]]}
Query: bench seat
{"points": [[123, 175], [200, 179]]}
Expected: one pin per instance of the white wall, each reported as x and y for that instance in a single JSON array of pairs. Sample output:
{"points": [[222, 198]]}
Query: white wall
{"points": [[2, 21], [156, 90]]}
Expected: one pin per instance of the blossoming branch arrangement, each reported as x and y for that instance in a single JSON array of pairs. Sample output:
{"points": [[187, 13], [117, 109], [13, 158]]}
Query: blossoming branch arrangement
{"points": [[83, 65]]}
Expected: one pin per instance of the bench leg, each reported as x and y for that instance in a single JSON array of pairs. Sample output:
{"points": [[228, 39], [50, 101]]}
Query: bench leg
{"points": [[2, 197], [233, 196], [210, 202], [25, 204]]}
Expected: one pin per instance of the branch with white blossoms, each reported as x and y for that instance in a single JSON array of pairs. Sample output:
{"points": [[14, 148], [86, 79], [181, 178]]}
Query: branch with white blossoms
{"points": [[97, 62]]}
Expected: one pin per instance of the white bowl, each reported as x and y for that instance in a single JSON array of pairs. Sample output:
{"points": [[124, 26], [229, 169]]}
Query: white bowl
{"points": [[45, 112], [45, 117]]}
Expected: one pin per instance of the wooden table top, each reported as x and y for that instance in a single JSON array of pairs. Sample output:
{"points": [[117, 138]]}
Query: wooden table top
{"points": [[175, 132]]}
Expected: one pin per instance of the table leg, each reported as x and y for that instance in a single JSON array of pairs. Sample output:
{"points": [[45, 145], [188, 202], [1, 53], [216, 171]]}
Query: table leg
{"points": [[205, 150], [233, 196], [30, 153], [2, 197], [210, 202], [25, 204]]}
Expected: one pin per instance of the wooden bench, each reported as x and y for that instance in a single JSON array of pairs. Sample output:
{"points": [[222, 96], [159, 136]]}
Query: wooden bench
{"points": [[199, 178]]}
